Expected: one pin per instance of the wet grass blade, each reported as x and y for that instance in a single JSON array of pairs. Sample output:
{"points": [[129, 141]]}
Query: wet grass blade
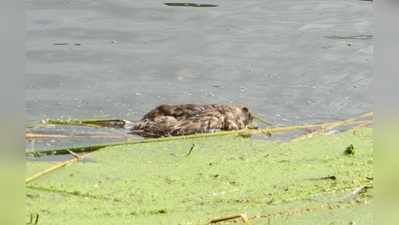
{"points": [[260, 119], [115, 123]]}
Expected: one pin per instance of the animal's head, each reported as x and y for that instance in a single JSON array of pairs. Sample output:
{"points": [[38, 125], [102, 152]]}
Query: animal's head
{"points": [[249, 119], [246, 116]]}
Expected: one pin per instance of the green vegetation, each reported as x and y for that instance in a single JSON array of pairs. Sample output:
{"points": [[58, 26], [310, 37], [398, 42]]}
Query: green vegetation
{"points": [[191, 181]]}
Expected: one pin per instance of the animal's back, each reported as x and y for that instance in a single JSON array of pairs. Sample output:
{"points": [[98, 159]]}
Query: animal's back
{"points": [[174, 120], [180, 111]]}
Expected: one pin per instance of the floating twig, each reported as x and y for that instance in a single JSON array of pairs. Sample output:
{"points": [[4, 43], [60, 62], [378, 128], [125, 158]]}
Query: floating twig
{"points": [[115, 123], [190, 4], [32, 135], [242, 216], [332, 125], [191, 149], [353, 37], [78, 157], [61, 43], [260, 119], [332, 177]]}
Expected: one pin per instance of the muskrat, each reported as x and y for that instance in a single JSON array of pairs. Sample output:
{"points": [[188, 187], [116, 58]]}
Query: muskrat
{"points": [[175, 120]]}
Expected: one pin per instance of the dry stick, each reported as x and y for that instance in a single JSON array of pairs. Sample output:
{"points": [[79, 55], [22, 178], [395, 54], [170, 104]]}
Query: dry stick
{"points": [[88, 122], [75, 155], [324, 130], [191, 150], [64, 151], [260, 119], [327, 125], [367, 123], [243, 216], [266, 131], [31, 135], [351, 121], [53, 168]]}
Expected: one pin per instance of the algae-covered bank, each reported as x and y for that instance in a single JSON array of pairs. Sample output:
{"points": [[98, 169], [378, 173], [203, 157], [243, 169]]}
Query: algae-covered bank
{"points": [[309, 181]]}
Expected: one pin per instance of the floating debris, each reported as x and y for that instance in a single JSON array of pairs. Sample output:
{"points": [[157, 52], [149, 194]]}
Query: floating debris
{"points": [[114, 123], [243, 217], [191, 150], [190, 4], [353, 37], [325, 178], [350, 150], [66, 43], [61, 43]]}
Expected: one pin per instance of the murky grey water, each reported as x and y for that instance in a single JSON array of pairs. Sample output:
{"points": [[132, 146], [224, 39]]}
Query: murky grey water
{"points": [[291, 61]]}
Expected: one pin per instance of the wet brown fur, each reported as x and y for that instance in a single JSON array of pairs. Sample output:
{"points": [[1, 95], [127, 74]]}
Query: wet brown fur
{"points": [[174, 120]]}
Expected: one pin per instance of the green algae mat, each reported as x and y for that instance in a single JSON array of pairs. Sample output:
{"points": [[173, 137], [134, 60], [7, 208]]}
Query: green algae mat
{"points": [[318, 180]]}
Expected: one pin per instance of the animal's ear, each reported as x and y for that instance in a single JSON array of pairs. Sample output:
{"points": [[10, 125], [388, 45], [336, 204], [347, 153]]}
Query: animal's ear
{"points": [[245, 109]]}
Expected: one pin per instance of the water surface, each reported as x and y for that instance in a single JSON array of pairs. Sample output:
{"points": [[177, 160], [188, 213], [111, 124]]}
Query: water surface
{"points": [[287, 60]]}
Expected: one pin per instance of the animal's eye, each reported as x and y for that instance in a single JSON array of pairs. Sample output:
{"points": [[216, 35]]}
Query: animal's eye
{"points": [[245, 109]]}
